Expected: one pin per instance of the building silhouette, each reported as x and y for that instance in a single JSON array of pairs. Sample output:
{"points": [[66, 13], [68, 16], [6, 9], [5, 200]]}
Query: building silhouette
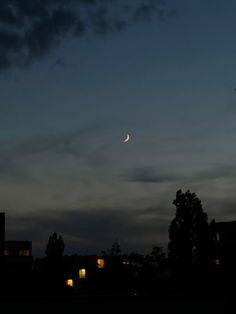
{"points": [[226, 245], [16, 263], [2, 237]]}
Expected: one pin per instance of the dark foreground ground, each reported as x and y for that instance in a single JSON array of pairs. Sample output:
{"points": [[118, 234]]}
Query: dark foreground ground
{"points": [[121, 304], [190, 296]]}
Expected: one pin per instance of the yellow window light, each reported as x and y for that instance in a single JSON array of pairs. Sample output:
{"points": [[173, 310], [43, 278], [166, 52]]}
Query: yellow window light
{"points": [[82, 273], [70, 282], [100, 262]]}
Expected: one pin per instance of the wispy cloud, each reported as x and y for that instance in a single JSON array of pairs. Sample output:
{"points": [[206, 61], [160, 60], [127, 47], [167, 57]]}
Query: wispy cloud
{"points": [[17, 157]]}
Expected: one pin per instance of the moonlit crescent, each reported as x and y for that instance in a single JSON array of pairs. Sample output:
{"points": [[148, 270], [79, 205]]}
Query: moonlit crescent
{"points": [[126, 139]]}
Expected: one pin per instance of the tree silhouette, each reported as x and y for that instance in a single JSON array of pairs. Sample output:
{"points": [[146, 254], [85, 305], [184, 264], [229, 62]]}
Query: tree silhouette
{"points": [[156, 259], [115, 249], [190, 237], [55, 246], [54, 267]]}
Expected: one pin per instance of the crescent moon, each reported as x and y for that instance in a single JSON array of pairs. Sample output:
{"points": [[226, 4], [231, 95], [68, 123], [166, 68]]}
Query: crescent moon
{"points": [[127, 138]]}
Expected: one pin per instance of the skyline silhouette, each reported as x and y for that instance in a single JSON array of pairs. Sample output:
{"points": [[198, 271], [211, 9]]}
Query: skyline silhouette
{"points": [[199, 266], [218, 231]]}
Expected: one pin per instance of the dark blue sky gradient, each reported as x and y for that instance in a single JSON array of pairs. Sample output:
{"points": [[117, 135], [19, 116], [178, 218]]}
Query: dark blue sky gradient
{"points": [[169, 82]]}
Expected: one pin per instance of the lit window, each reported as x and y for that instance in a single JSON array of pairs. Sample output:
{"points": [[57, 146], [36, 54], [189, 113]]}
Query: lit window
{"points": [[100, 262], [24, 252], [7, 252], [70, 282], [82, 273], [217, 262]]}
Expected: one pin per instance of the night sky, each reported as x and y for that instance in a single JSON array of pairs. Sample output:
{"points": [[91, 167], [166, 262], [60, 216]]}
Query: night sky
{"points": [[75, 77]]}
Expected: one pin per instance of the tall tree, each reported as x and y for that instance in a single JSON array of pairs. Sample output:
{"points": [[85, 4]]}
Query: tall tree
{"points": [[54, 266], [189, 235], [55, 246]]}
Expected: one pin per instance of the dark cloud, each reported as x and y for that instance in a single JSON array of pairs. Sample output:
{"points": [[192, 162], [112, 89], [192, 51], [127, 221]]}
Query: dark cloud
{"points": [[145, 11], [89, 230], [156, 175], [150, 175], [216, 172], [30, 29]]}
